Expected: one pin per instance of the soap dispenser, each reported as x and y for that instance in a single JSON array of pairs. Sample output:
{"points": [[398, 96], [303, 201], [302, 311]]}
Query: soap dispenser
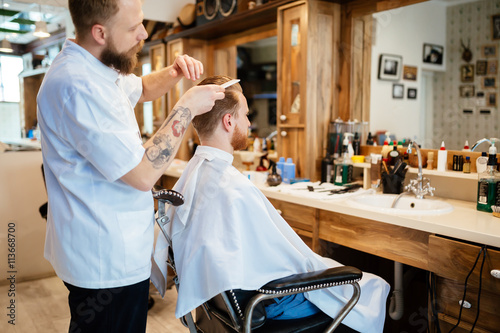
{"points": [[343, 165]]}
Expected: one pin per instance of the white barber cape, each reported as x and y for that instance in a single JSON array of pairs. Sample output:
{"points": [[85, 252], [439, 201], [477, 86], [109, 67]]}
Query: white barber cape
{"points": [[227, 235]]}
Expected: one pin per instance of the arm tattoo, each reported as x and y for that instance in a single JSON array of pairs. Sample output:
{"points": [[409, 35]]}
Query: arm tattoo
{"points": [[163, 148]]}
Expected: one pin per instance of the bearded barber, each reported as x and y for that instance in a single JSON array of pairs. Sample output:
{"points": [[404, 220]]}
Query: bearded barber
{"points": [[99, 174]]}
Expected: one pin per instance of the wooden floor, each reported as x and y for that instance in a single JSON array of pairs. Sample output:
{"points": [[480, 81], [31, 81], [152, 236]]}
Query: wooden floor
{"points": [[42, 307]]}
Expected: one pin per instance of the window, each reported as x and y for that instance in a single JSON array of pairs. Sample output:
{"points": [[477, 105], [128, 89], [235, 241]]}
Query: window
{"points": [[10, 67]]}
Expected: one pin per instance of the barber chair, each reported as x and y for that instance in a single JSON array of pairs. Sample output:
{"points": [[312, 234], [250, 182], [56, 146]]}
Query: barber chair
{"points": [[243, 311]]}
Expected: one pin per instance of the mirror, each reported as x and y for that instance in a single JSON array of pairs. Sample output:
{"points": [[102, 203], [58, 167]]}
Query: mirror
{"points": [[415, 95], [257, 69]]}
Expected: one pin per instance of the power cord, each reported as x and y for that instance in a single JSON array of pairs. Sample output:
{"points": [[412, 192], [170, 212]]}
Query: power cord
{"points": [[481, 251]]}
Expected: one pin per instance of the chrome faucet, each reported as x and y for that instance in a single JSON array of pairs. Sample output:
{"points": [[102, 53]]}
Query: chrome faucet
{"points": [[474, 146], [420, 186]]}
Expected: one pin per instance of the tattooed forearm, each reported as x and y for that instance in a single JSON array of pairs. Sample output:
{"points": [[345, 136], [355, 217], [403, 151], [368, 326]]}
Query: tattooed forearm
{"points": [[185, 114], [160, 152], [163, 147]]}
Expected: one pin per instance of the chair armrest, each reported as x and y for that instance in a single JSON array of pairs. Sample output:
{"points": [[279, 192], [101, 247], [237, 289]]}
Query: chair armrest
{"points": [[313, 280]]}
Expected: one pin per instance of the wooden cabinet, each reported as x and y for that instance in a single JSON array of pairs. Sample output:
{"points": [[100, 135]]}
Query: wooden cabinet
{"points": [[452, 260], [196, 49], [30, 83], [308, 36], [157, 58]]}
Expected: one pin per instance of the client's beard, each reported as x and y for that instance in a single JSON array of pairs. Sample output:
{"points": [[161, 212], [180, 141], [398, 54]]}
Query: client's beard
{"points": [[124, 62], [239, 139]]}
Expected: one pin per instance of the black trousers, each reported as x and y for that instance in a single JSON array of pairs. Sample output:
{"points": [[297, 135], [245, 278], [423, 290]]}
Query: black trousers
{"points": [[122, 309]]}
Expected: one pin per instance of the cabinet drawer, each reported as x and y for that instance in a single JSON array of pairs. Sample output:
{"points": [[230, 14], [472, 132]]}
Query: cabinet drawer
{"points": [[454, 259], [298, 216], [450, 292]]}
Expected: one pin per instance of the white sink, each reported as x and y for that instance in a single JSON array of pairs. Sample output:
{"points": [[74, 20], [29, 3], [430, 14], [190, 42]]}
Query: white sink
{"points": [[406, 205]]}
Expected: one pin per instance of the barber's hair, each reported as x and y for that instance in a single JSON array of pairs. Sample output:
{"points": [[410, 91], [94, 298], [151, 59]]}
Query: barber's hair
{"points": [[205, 124], [86, 13]]}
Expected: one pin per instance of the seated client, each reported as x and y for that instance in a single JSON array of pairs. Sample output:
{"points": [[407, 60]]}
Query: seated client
{"points": [[227, 235]]}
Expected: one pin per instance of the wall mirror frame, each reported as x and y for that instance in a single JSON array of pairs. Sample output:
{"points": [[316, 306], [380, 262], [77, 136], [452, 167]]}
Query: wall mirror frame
{"points": [[438, 112]]}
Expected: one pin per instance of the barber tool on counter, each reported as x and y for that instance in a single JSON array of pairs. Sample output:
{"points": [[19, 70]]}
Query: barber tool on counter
{"points": [[393, 177]]}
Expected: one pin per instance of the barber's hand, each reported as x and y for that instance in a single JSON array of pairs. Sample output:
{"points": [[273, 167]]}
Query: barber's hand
{"points": [[188, 66], [201, 99]]}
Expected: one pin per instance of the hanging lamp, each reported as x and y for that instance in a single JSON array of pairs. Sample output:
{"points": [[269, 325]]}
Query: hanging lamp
{"points": [[5, 45], [41, 27]]}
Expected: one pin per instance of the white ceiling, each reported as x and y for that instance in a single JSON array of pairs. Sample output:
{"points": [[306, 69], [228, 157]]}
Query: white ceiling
{"points": [[55, 12]]}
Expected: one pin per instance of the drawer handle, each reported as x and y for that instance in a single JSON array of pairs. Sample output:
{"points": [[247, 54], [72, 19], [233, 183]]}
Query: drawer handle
{"points": [[283, 133], [283, 117], [279, 211], [495, 273], [466, 304]]}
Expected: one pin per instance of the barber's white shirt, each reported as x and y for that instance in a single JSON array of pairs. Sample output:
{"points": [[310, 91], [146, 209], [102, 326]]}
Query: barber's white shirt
{"points": [[227, 235], [99, 229]]}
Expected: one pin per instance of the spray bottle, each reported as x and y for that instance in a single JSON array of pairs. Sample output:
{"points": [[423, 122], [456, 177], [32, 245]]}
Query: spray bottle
{"points": [[343, 165]]}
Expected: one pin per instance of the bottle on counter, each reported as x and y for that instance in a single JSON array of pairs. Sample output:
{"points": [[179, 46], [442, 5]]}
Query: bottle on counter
{"points": [[393, 156], [280, 165], [467, 164], [442, 163], [488, 186], [343, 165], [481, 162], [356, 143], [288, 171], [327, 169]]}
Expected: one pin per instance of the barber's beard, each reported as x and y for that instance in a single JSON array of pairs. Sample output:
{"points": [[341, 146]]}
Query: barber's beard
{"points": [[124, 62], [239, 139]]}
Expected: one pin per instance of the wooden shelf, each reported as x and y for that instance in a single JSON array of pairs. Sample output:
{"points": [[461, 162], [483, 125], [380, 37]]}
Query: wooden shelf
{"points": [[425, 172], [238, 22]]}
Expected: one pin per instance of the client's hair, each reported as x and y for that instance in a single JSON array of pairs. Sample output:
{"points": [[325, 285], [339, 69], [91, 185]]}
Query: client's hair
{"points": [[205, 124]]}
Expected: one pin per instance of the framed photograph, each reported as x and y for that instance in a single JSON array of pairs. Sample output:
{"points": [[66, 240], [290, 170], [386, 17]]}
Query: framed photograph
{"points": [[389, 67], [481, 66], [467, 91], [410, 73], [492, 67], [495, 27], [467, 73], [411, 93], [398, 90], [492, 99], [489, 51], [489, 82], [433, 54]]}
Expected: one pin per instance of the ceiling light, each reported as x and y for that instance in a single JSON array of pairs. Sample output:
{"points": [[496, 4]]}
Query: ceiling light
{"points": [[41, 29], [5, 46]]}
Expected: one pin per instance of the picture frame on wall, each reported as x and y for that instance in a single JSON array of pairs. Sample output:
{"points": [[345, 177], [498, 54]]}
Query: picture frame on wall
{"points": [[467, 91], [411, 93], [433, 54], [495, 27], [491, 99], [389, 67], [489, 82], [410, 73], [481, 67], [489, 51], [398, 91], [467, 73], [492, 68]]}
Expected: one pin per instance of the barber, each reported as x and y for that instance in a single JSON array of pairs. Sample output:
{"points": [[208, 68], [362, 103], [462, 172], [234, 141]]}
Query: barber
{"points": [[98, 172]]}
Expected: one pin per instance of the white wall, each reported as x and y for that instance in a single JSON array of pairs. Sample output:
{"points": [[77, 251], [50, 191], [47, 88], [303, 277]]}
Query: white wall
{"points": [[165, 10], [403, 32]]}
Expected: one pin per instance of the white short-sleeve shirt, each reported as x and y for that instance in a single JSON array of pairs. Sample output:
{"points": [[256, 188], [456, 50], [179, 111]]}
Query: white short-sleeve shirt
{"points": [[99, 230]]}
